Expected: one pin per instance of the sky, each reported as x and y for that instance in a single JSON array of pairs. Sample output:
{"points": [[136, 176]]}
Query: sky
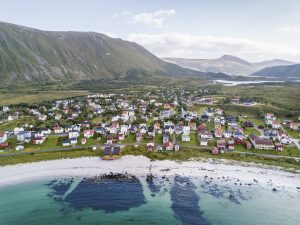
{"points": [[251, 29]]}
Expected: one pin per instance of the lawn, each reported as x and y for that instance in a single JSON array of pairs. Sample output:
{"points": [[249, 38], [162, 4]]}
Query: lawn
{"points": [[251, 130], [40, 156], [38, 96], [193, 141], [292, 133], [129, 139], [287, 151]]}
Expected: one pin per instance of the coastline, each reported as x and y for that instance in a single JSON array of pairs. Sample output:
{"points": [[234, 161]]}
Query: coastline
{"points": [[244, 173]]}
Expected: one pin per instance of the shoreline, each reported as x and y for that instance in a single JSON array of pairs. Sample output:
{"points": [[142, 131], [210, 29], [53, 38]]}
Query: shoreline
{"points": [[246, 173]]}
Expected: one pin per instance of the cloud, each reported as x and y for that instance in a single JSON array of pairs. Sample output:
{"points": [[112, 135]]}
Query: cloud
{"points": [[155, 19], [122, 14], [190, 46], [289, 29]]}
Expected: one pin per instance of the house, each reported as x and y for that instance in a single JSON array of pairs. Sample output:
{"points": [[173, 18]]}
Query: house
{"points": [[18, 130], [42, 117], [218, 133], [209, 112], [214, 151], [270, 116], [203, 142], [19, 147], [165, 138], [234, 101], [227, 134], [150, 146], [221, 145], [38, 140], [260, 143], [24, 136], [176, 147], [168, 146], [156, 126], [83, 141], [100, 130], [230, 145], [294, 126], [247, 145], [238, 134], [278, 147], [248, 123], [86, 124], [275, 125], [57, 117], [139, 136], [206, 134], [193, 126], [186, 130], [185, 137], [121, 136], [88, 133], [5, 109], [73, 134], [66, 142], [73, 140], [58, 130], [3, 137], [218, 124]]}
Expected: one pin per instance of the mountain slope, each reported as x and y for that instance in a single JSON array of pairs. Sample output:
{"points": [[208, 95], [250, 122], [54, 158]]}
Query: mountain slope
{"points": [[291, 71], [35, 55], [270, 63], [226, 64]]}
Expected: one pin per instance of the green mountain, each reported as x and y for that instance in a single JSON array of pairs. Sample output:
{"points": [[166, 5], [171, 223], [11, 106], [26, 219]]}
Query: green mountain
{"points": [[291, 71], [28, 54]]}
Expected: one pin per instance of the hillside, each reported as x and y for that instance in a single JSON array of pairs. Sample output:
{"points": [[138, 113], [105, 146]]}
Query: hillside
{"points": [[227, 64], [291, 71], [35, 55]]}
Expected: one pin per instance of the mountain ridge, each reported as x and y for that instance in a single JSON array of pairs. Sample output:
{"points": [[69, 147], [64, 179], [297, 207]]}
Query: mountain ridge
{"points": [[227, 64], [31, 54]]}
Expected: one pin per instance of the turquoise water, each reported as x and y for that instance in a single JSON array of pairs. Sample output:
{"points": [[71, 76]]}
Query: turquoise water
{"points": [[158, 200]]}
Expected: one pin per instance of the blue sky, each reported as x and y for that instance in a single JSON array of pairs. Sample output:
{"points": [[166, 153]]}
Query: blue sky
{"points": [[251, 29]]}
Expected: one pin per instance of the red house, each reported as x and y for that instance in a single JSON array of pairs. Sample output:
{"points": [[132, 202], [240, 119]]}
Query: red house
{"points": [[214, 151]]}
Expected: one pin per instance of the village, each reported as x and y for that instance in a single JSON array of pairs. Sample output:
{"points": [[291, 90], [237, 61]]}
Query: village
{"points": [[159, 120]]}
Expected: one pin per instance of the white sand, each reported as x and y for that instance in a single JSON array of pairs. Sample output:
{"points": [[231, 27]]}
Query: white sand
{"points": [[140, 166]]}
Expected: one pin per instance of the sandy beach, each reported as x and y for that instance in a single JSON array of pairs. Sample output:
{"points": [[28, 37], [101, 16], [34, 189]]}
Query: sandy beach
{"points": [[246, 174]]}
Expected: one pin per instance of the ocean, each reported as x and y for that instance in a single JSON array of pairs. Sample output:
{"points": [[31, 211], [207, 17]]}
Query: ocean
{"points": [[126, 199]]}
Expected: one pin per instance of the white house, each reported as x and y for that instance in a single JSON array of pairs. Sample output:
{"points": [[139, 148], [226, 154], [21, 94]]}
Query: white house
{"points": [[73, 134], [58, 130], [185, 137], [203, 142], [18, 130], [3, 137]]}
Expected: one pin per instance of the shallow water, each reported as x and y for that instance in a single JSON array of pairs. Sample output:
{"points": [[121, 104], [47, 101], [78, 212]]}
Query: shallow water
{"points": [[120, 199]]}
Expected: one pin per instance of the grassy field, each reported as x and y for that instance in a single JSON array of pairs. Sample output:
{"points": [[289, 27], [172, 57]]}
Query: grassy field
{"points": [[40, 156], [293, 133], [37, 96], [284, 97], [186, 153], [287, 151]]}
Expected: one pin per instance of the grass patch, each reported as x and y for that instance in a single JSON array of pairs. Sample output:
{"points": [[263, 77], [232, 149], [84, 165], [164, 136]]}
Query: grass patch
{"points": [[40, 156]]}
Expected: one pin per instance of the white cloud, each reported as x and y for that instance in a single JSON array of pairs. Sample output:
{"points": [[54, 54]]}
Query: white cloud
{"points": [[155, 19], [289, 29], [122, 14], [189, 46]]}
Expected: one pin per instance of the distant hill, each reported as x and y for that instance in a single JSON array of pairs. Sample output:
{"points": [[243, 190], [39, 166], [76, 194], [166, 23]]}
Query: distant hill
{"points": [[226, 64], [291, 71], [35, 55], [270, 63]]}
